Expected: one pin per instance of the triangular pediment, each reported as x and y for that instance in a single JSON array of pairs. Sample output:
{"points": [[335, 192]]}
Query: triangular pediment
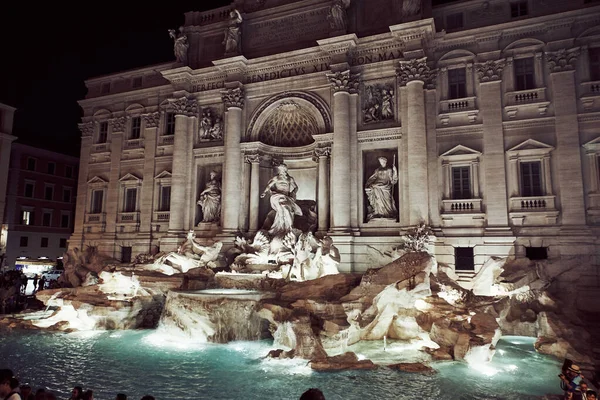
{"points": [[593, 144], [163, 175], [531, 144], [460, 150], [129, 177], [96, 180]]}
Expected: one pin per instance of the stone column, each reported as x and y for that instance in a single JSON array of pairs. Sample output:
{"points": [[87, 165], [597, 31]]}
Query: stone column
{"points": [[354, 189], [322, 156], [232, 186], [404, 207], [180, 180], [150, 127], [87, 133], [593, 168], [490, 96], [342, 83], [254, 161], [568, 148], [116, 131], [414, 74]]}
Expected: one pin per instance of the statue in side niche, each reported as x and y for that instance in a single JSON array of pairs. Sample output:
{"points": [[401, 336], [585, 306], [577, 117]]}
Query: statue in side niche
{"points": [[337, 17], [206, 124], [233, 34], [379, 190], [210, 199], [180, 45], [282, 188]]}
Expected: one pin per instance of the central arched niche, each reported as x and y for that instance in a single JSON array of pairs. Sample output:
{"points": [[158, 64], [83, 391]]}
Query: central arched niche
{"points": [[289, 119]]}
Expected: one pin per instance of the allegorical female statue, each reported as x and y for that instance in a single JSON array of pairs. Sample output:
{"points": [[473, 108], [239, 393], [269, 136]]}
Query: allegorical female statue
{"points": [[282, 188], [210, 199], [180, 45], [379, 190], [233, 34], [337, 14]]}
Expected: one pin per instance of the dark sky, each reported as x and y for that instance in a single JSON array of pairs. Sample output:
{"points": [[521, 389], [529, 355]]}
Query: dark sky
{"points": [[48, 51]]}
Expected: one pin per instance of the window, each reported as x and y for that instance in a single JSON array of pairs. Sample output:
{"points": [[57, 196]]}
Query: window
{"points": [[457, 83], [136, 127], [49, 192], [536, 253], [524, 77], [47, 218], [461, 185], [165, 198], [137, 82], [26, 217], [105, 88], [170, 124], [31, 164], [464, 259], [68, 171], [130, 199], [97, 197], [594, 57], [66, 195], [62, 243], [531, 179], [29, 189], [126, 254], [44, 242], [454, 21], [51, 168], [518, 9], [103, 132], [64, 220], [23, 241]]}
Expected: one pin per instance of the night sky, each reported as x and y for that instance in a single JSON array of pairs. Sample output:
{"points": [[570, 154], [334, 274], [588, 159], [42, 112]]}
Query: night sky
{"points": [[48, 51]]}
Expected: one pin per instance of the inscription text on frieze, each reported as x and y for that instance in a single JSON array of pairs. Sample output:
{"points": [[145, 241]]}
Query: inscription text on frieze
{"points": [[201, 87], [309, 25]]}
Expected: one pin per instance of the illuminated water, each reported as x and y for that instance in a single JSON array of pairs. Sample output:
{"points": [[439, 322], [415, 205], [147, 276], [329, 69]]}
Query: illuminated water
{"points": [[141, 362]]}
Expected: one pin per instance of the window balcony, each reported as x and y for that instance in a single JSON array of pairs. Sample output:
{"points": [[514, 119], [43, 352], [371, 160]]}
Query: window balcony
{"points": [[530, 96], [462, 212], [98, 218], [535, 210], [458, 105], [161, 216], [100, 148], [134, 144], [462, 206], [590, 95], [166, 140], [129, 217]]}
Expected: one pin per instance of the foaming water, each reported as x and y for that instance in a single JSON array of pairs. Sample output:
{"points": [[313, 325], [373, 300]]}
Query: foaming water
{"points": [[144, 362]]}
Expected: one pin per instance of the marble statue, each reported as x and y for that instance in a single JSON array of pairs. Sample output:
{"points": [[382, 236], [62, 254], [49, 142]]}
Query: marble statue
{"points": [[312, 258], [233, 34], [210, 199], [206, 124], [379, 103], [337, 17], [282, 188], [216, 132], [180, 45], [411, 8], [379, 190]]}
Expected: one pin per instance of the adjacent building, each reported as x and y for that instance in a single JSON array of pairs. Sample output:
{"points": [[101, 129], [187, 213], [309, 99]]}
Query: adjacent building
{"points": [[6, 138], [40, 207], [488, 110]]}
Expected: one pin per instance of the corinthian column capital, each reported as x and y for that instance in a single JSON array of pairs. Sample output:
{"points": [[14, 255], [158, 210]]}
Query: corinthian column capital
{"points": [[86, 128], [344, 81], [416, 70], [117, 124], [185, 106], [490, 70], [233, 97], [151, 119], [562, 60]]}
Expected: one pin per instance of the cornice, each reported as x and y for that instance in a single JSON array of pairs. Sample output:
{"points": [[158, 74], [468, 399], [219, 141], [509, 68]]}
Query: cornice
{"points": [[589, 117], [529, 123], [460, 130], [376, 135]]}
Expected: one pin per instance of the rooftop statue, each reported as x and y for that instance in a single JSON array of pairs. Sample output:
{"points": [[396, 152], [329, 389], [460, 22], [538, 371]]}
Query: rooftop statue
{"points": [[337, 17], [180, 45], [233, 34], [411, 8]]}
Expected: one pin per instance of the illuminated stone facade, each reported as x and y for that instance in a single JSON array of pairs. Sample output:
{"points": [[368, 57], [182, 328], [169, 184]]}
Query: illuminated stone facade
{"points": [[489, 110]]}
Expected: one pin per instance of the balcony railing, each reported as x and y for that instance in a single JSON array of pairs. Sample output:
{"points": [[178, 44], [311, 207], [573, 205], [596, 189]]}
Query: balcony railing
{"points": [[537, 95], [98, 218], [536, 203], [100, 147], [590, 88], [134, 143], [129, 217], [166, 140], [160, 216], [462, 206], [457, 105]]}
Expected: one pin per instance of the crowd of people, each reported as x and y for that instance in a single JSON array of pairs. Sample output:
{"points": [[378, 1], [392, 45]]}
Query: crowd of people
{"points": [[573, 383]]}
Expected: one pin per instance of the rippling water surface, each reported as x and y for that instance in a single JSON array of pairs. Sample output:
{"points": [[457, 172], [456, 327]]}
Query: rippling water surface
{"points": [[143, 362]]}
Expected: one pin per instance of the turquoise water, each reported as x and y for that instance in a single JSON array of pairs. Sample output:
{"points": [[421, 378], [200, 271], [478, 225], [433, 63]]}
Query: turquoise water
{"points": [[143, 362]]}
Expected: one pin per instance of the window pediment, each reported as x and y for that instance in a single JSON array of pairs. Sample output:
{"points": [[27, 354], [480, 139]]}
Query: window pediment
{"points": [[130, 179], [97, 181], [456, 57], [461, 153], [163, 175], [593, 145], [530, 147]]}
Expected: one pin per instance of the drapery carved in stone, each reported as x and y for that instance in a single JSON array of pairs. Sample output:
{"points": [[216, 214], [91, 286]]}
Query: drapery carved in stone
{"points": [[344, 81], [252, 158], [117, 124], [86, 128], [562, 60], [185, 106], [490, 70], [151, 119], [416, 70], [233, 97], [378, 103]]}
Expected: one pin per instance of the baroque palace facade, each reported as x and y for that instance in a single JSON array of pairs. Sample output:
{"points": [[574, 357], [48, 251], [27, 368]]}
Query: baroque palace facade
{"points": [[489, 111]]}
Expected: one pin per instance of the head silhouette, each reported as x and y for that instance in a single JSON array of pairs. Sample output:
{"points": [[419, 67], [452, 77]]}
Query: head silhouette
{"points": [[312, 394]]}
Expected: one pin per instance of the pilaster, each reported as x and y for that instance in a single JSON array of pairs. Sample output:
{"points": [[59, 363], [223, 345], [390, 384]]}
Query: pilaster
{"points": [[254, 161], [322, 155], [149, 129], [116, 131], [87, 133]]}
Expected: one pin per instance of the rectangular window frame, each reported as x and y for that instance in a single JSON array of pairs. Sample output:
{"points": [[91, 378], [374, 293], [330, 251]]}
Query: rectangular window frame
{"points": [[529, 185], [457, 83], [164, 198], [97, 201], [170, 123], [102, 132], [136, 128], [130, 199], [524, 70], [461, 187]]}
